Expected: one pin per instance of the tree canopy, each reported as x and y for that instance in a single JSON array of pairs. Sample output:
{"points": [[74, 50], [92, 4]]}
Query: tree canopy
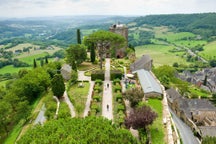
{"points": [[134, 95], [77, 130], [58, 86], [76, 54], [140, 118]]}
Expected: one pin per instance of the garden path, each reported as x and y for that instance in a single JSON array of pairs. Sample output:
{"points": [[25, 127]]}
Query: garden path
{"points": [[70, 105], [107, 109]]}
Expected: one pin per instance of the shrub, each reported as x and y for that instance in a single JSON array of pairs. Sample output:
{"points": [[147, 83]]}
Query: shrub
{"points": [[97, 75], [118, 97], [116, 81], [97, 98], [95, 107], [120, 107], [97, 89], [98, 81], [117, 88], [115, 74]]}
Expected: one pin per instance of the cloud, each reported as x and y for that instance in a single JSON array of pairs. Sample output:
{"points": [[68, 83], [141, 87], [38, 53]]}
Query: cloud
{"points": [[25, 8]]}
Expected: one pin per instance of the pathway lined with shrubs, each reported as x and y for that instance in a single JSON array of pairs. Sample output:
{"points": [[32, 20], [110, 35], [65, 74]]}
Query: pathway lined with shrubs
{"points": [[70, 105], [107, 108]]}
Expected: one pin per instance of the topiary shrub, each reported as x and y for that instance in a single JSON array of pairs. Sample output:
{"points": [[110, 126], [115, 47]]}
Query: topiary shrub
{"points": [[97, 89], [119, 97], [117, 88], [95, 107], [116, 81], [97, 75], [99, 81], [97, 98], [115, 74], [120, 107]]}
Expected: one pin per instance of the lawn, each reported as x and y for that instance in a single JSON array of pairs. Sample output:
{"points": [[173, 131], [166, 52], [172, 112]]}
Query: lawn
{"points": [[157, 129], [29, 59], [78, 96], [160, 54], [190, 43], [11, 69], [209, 51], [196, 92]]}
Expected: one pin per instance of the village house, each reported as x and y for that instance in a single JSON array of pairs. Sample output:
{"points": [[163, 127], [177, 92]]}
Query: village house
{"points": [[199, 114], [66, 71], [150, 86], [198, 78]]}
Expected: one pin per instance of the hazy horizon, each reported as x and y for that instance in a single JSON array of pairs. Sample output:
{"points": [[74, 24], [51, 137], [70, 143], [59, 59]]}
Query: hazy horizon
{"points": [[52, 8]]}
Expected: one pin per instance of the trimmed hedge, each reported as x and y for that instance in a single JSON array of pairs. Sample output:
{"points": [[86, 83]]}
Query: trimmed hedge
{"points": [[120, 107], [98, 81], [97, 98], [117, 88], [95, 107], [115, 74], [119, 97], [97, 75], [116, 81], [97, 89]]}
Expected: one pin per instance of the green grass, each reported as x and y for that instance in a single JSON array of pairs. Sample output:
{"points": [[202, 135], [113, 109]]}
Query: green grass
{"points": [[78, 96], [190, 43], [64, 110], [14, 133], [209, 51], [30, 59], [171, 36], [160, 54], [157, 129], [11, 69], [196, 93]]}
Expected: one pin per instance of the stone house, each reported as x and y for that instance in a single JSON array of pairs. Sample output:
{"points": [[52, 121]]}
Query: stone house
{"points": [[66, 71], [199, 114]]}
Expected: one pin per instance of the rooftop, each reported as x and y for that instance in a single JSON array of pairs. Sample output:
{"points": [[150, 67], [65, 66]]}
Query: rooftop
{"points": [[147, 81]]}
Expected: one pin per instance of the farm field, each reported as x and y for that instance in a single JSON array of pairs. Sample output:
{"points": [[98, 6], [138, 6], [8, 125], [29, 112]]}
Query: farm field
{"points": [[160, 54], [209, 51], [11, 69]]}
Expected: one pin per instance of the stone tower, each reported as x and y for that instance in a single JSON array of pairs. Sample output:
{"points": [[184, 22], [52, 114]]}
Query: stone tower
{"points": [[122, 30]]}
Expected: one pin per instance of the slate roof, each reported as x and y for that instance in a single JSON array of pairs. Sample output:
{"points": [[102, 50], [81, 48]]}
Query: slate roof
{"points": [[148, 82], [172, 94], [139, 64]]}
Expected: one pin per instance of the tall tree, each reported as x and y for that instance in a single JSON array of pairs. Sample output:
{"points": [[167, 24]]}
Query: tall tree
{"points": [[58, 86], [34, 64], [78, 36], [205, 80], [41, 62], [46, 60], [103, 39], [92, 52], [140, 118], [76, 54], [134, 95]]}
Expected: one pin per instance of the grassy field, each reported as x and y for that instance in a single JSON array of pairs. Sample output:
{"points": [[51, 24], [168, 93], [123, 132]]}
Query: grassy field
{"points": [[157, 129], [78, 96], [160, 54], [11, 69], [29, 59], [209, 51], [190, 43]]}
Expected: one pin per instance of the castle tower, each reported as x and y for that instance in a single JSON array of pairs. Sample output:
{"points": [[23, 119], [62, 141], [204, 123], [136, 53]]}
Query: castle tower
{"points": [[122, 30]]}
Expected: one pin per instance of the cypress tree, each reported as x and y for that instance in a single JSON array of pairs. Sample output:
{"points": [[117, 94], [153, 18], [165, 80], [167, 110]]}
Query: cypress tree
{"points": [[205, 80], [92, 53], [58, 86], [41, 62], [46, 60], [34, 64], [78, 36]]}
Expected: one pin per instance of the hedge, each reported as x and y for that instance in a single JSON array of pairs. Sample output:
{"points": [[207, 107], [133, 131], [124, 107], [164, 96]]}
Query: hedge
{"points": [[97, 75], [115, 74]]}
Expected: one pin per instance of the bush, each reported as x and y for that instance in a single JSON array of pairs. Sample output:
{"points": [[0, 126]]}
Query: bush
{"points": [[118, 96], [115, 74], [98, 81], [97, 89], [116, 81], [95, 107], [120, 107], [97, 75], [117, 88], [97, 98]]}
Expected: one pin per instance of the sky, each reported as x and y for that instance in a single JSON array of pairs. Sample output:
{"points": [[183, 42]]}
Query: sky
{"points": [[44, 8]]}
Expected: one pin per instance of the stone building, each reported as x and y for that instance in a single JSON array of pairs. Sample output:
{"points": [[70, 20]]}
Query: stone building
{"points": [[199, 114], [122, 30], [66, 71], [145, 62]]}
